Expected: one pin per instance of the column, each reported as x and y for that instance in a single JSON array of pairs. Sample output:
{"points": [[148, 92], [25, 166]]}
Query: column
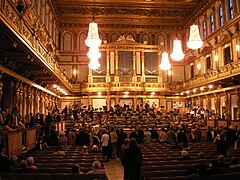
{"points": [[217, 105], [108, 101], [41, 101], [116, 77], [17, 98], [20, 98], [134, 104], [24, 94], [134, 78], [143, 68], [1, 87], [46, 105], [108, 68], [238, 104]]}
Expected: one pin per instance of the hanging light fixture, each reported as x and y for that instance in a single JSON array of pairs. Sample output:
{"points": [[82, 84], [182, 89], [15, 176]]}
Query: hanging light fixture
{"points": [[93, 36], [94, 53], [93, 42], [165, 64], [195, 41], [94, 64], [177, 53]]}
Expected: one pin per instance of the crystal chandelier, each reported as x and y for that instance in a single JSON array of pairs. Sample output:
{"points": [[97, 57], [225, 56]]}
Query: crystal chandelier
{"points": [[93, 39], [177, 53], [94, 55], [94, 64], [165, 64], [195, 41], [93, 42]]}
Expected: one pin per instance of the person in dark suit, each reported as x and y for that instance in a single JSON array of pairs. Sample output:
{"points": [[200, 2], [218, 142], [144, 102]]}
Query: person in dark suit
{"points": [[222, 145], [121, 138], [132, 161], [5, 163]]}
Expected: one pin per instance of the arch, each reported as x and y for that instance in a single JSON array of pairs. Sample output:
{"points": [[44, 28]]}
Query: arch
{"points": [[229, 9], [210, 22], [146, 37], [114, 37], [219, 14], [81, 39], [160, 39], [67, 41]]}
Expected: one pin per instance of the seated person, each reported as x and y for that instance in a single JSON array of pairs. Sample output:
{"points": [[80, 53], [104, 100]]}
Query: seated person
{"points": [[76, 169], [201, 156], [23, 165], [185, 156], [5, 163], [63, 140], [58, 151], [84, 150], [96, 168], [234, 162], [95, 149], [221, 163], [30, 162]]}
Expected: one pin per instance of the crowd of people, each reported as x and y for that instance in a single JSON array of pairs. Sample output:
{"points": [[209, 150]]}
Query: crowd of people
{"points": [[114, 142]]}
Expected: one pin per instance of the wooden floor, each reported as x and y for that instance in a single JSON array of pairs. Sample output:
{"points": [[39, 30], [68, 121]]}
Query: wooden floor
{"points": [[114, 169]]}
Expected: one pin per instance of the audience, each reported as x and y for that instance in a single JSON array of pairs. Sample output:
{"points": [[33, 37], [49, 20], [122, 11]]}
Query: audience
{"points": [[96, 168], [84, 150], [76, 169], [30, 162], [234, 162]]}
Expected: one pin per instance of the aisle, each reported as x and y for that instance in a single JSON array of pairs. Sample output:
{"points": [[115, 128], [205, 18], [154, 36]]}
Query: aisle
{"points": [[114, 169]]}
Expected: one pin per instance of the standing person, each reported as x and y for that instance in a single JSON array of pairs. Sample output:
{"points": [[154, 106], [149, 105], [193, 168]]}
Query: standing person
{"points": [[132, 161], [222, 145], [121, 138], [113, 140], [105, 143]]}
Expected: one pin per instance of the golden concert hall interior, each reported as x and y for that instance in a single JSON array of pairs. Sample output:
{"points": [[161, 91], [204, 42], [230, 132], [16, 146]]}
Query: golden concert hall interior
{"points": [[174, 55]]}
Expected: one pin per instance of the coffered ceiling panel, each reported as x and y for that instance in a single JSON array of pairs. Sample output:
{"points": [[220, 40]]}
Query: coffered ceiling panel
{"points": [[158, 12]]}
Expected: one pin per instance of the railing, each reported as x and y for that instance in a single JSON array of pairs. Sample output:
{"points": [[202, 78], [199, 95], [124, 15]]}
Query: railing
{"points": [[35, 38], [223, 72]]}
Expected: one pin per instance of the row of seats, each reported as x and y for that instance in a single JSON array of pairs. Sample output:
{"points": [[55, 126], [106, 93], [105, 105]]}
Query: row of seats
{"points": [[160, 161]]}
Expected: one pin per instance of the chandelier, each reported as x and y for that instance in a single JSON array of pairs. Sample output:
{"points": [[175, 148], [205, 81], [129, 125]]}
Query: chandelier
{"points": [[177, 53], [165, 64], [195, 41], [93, 42], [93, 39]]}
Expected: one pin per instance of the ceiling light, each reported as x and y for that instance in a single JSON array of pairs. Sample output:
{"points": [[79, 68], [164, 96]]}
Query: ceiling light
{"points": [[195, 41], [177, 53], [94, 64], [194, 90], [201, 88], [237, 47], [54, 86], [74, 72], [198, 66], [165, 64], [210, 86], [93, 37]]}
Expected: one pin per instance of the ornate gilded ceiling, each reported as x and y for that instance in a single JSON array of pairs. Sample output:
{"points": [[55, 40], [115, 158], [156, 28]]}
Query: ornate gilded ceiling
{"points": [[142, 12]]}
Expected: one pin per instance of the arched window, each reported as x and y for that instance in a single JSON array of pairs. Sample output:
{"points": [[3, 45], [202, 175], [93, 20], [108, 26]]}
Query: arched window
{"points": [[238, 4], [204, 29], [230, 9], [220, 14], [211, 18]]}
